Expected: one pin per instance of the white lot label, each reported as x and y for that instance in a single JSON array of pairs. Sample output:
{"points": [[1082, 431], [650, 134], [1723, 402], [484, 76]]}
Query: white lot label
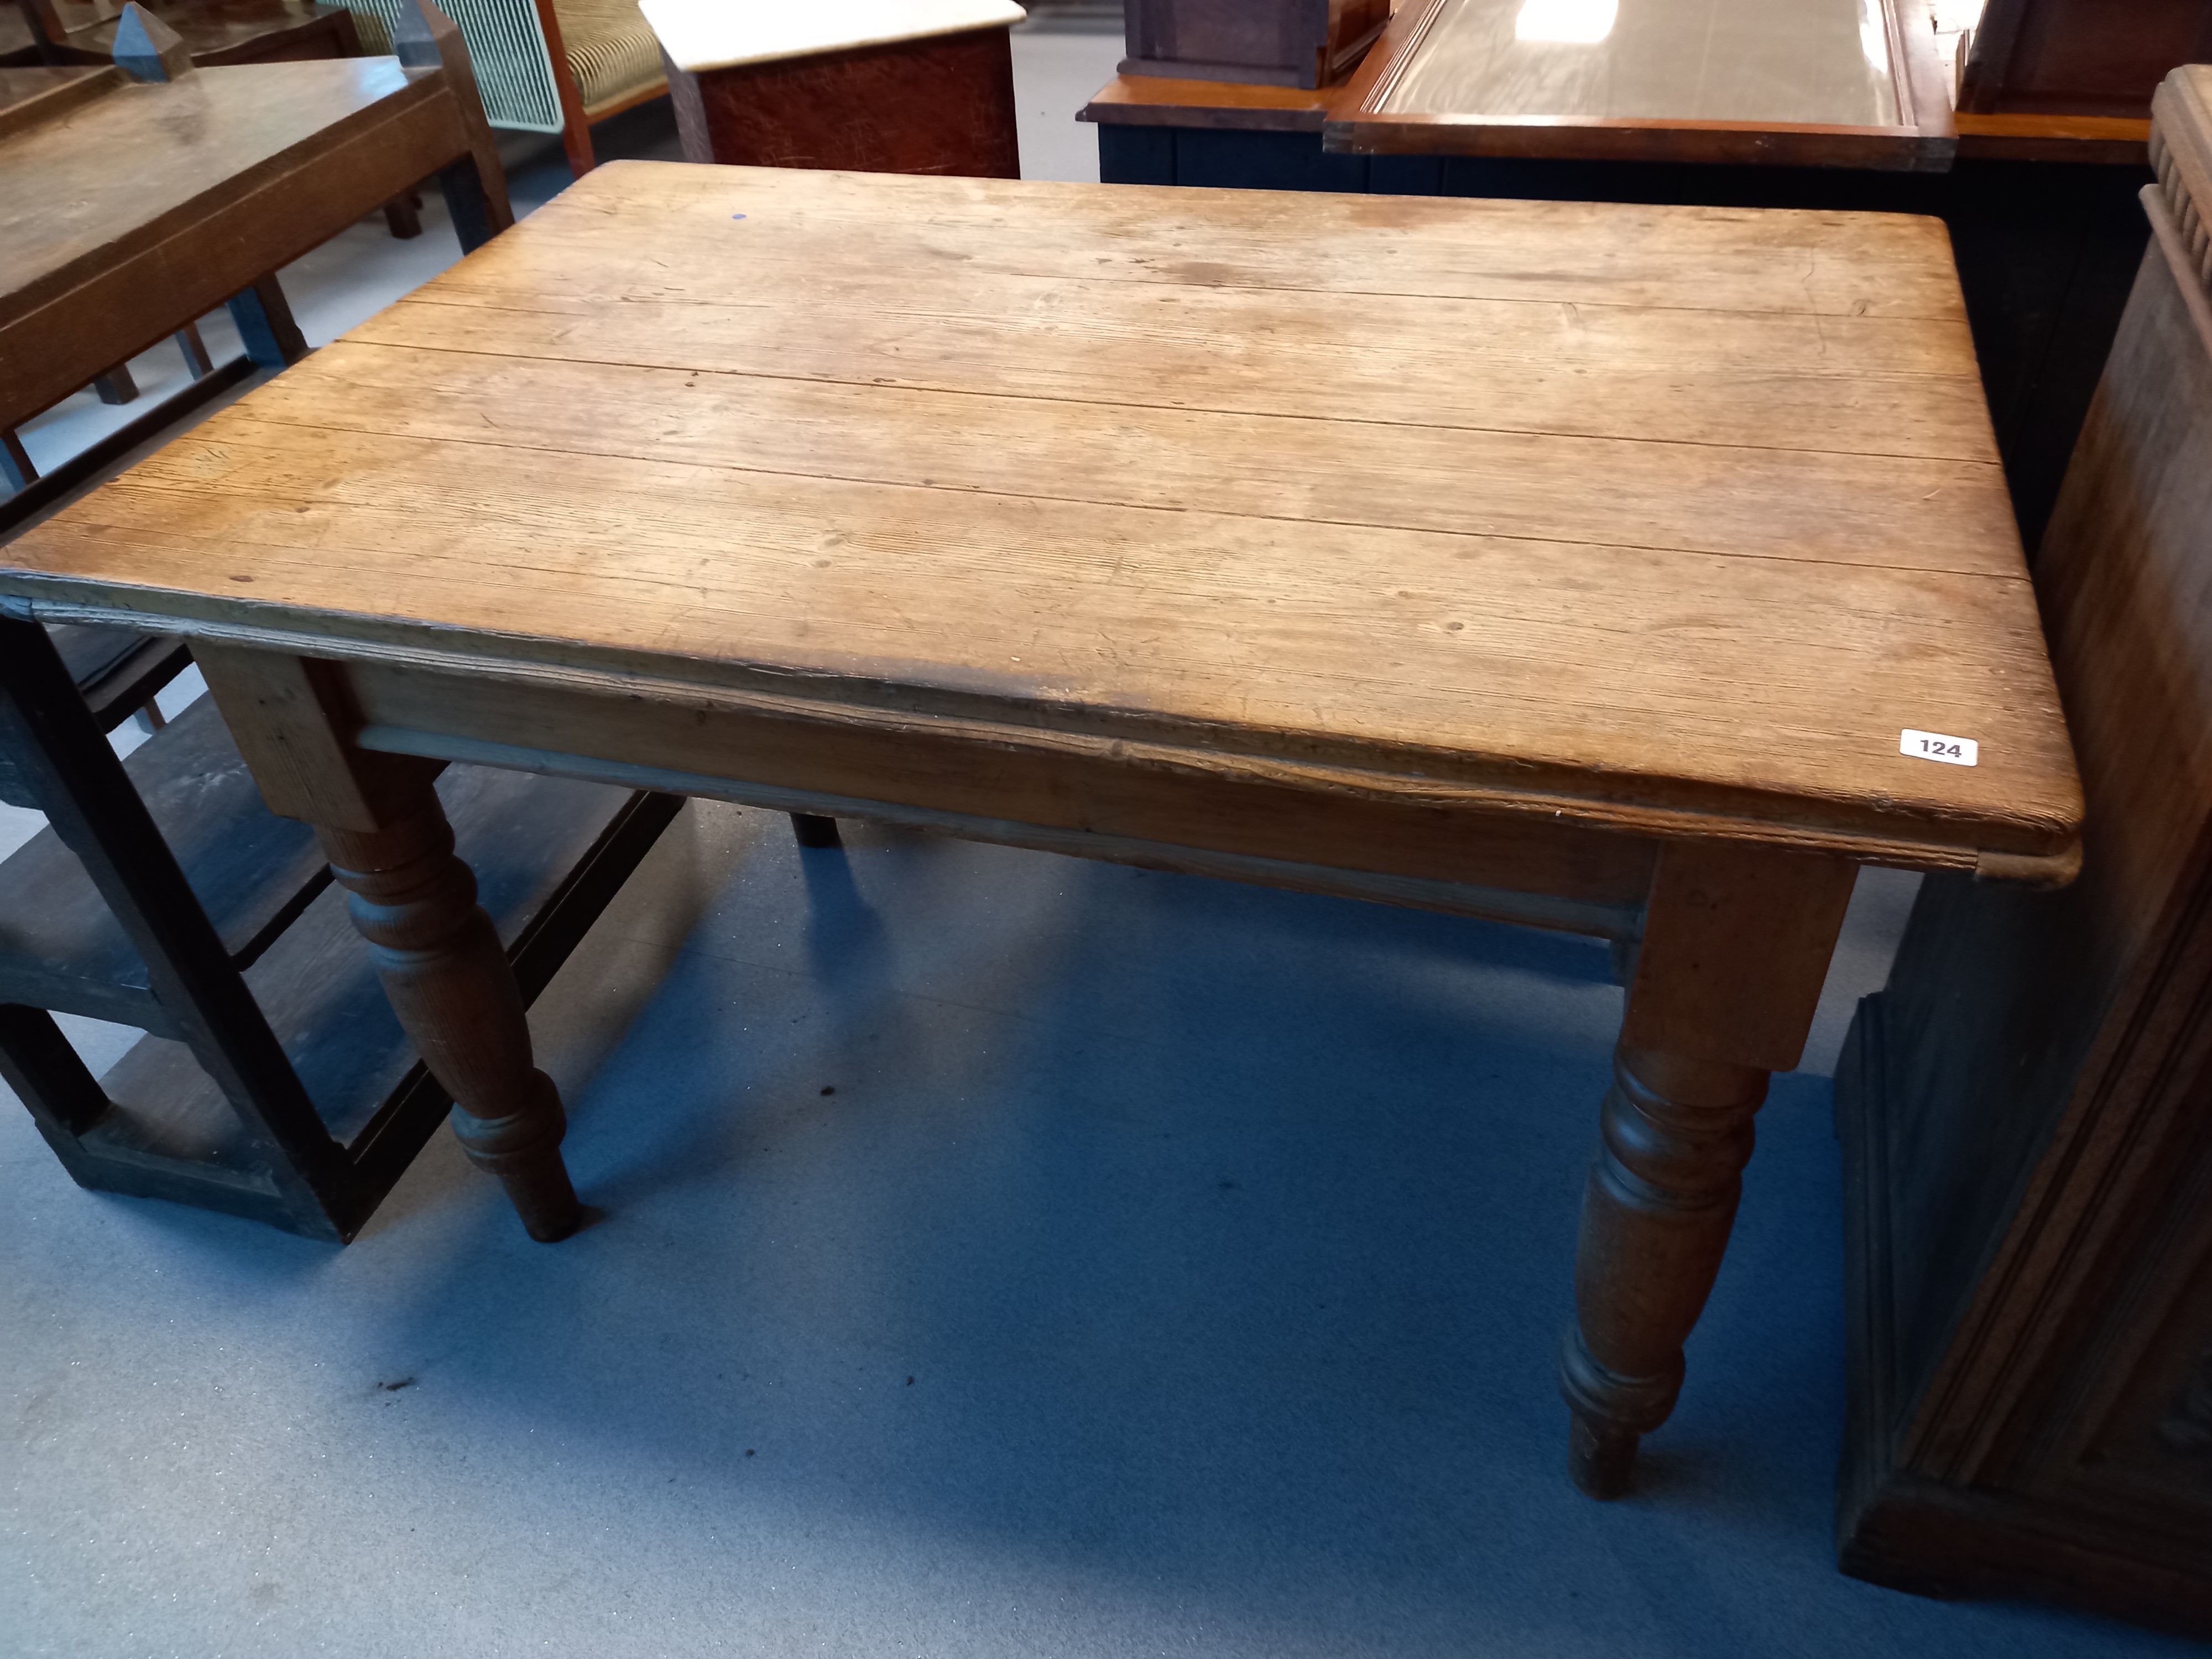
{"points": [[1934, 745]]}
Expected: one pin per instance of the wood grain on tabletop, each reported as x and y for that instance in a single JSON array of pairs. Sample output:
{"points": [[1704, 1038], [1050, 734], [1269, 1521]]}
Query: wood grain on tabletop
{"points": [[1668, 507], [1726, 259], [202, 131]]}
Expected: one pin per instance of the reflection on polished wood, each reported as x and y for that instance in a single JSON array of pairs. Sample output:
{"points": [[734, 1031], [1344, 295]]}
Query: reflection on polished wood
{"points": [[1824, 62], [1796, 82]]}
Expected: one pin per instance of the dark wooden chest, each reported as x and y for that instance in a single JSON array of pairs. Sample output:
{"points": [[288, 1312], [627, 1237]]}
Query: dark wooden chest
{"points": [[2095, 57], [1287, 43], [2026, 1109]]}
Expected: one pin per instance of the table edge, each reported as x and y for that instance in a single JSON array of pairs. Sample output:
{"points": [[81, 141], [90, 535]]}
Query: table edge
{"points": [[2042, 851]]}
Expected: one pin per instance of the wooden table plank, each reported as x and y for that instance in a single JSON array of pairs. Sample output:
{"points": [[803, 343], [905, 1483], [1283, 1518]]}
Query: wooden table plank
{"points": [[1634, 555], [1794, 261], [1835, 385], [1763, 502], [1548, 326]]}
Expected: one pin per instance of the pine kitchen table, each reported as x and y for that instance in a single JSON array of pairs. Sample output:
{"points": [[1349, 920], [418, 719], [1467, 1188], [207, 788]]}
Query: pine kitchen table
{"points": [[1636, 571]]}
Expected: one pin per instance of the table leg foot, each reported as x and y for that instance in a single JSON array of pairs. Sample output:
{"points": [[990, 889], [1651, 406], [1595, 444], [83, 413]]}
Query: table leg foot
{"points": [[543, 1196], [449, 982], [814, 830], [1675, 1135], [1599, 1458], [524, 1151]]}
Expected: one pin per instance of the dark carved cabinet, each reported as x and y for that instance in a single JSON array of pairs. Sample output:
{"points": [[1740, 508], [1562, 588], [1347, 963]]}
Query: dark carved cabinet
{"points": [[2026, 1108], [1289, 43], [2097, 58]]}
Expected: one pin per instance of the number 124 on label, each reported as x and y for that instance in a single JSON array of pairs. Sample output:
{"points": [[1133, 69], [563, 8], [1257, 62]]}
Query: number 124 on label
{"points": [[1936, 746]]}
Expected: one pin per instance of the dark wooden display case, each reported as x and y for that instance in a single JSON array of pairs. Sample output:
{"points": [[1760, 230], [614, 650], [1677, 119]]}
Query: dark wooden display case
{"points": [[2027, 1148], [1283, 43], [1778, 82]]}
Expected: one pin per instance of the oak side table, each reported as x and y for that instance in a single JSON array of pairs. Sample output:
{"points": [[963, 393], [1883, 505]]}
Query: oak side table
{"points": [[1638, 571]]}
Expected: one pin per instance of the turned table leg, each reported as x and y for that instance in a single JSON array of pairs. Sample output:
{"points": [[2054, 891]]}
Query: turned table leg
{"points": [[1735, 946], [448, 980], [450, 983]]}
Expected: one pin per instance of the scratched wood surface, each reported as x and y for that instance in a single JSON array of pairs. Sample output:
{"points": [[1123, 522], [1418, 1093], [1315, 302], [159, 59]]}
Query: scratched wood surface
{"points": [[1645, 509]]}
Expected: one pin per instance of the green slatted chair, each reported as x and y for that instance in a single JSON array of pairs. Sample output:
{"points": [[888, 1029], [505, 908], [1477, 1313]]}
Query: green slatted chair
{"points": [[544, 65]]}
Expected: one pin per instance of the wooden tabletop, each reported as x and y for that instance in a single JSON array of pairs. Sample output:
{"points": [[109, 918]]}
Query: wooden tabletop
{"points": [[1672, 519]]}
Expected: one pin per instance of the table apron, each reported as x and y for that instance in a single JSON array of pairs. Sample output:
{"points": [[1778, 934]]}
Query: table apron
{"points": [[1611, 921], [1459, 859]]}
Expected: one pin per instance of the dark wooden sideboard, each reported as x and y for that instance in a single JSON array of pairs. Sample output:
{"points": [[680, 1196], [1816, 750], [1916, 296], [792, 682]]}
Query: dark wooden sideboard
{"points": [[2078, 57], [2026, 1109]]}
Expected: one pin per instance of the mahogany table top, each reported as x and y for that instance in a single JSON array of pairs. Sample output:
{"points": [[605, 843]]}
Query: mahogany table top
{"points": [[1668, 519]]}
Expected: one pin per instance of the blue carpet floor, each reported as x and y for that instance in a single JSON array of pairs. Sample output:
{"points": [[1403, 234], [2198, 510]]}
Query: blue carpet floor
{"points": [[1003, 1255]]}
